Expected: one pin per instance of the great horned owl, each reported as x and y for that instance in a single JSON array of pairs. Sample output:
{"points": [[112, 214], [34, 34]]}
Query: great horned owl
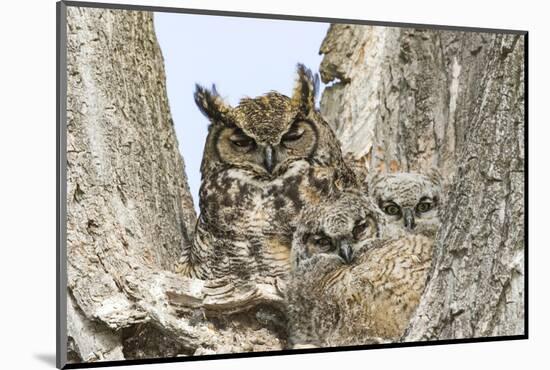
{"points": [[263, 161], [349, 284], [411, 201]]}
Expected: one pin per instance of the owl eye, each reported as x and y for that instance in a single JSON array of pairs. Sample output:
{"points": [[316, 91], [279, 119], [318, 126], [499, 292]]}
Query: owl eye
{"points": [[392, 209], [293, 135], [424, 206], [241, 141]]}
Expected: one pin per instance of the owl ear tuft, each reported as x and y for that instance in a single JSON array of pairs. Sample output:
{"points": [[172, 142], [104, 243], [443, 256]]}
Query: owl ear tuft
{"points": [[211, 104], [305, 89]]}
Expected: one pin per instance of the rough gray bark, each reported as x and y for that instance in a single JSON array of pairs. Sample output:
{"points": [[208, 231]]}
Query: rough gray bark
{"points": [[130, 212], [410, 99], [89, 340]]}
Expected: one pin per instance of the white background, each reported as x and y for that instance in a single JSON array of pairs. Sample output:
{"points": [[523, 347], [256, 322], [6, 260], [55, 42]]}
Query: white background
{"points": [[27, 182]]}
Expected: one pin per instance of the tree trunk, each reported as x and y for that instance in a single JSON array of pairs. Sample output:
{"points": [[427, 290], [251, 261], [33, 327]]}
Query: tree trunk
{"points": [[411, 99], [129, 210]]}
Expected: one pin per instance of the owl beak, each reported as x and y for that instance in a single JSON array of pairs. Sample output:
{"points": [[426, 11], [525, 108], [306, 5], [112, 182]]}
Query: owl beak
{"points": [[408, 218], [269, 159], [345, 251]]}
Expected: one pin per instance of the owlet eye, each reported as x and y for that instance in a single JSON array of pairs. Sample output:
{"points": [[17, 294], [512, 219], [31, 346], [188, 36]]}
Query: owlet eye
{"points": [[324, 243], [423, 206], [392, 209], [360, 229]]}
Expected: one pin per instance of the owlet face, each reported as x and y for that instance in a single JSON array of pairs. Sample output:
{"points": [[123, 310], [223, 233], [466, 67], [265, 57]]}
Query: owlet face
{"points": [[410, 201], [267, 134], [337, 229]]}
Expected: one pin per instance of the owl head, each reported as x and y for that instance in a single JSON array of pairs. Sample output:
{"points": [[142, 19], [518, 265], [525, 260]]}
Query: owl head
{"points": [[336, 229], [267, 134], [409, 200]]}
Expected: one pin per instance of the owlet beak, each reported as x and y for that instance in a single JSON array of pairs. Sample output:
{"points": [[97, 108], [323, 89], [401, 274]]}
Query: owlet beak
{"points": [[408, 218], [345, 251], [269, 159]]}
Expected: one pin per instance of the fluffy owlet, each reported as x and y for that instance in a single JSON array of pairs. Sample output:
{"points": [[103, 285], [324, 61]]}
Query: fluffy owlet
{"points": [[263, 161], [349, 284], [411, 201]]}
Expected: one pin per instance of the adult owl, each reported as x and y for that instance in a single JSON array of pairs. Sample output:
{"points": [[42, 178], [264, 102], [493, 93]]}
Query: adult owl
{"points": [[264, 160], [349, 283], [411, 201]]}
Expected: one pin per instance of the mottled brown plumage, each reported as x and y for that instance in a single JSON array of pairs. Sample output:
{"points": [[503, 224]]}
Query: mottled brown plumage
{"points": [[335, 299], [264, 160]]}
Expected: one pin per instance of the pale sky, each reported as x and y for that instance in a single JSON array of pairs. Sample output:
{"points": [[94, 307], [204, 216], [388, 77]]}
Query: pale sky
{"points": [[242, 56]]}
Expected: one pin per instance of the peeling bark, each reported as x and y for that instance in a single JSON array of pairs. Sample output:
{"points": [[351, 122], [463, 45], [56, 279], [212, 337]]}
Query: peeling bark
{"points": [[410, 99], [91, 341]]}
